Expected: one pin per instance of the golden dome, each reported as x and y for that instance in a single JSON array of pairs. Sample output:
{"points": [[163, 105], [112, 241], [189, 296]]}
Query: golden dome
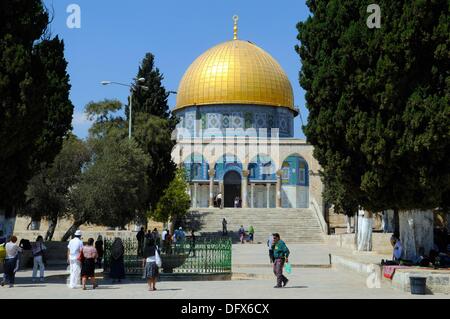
{"points": [[235, 72]]}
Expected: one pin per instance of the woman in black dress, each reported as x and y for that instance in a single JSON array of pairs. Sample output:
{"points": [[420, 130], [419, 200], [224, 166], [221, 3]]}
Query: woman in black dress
{"points": [[99, 247], [88, 267], [117, 266]]}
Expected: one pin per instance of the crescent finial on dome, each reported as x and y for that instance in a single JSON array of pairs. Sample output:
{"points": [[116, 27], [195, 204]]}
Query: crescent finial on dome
{"points": [[235, 19]]}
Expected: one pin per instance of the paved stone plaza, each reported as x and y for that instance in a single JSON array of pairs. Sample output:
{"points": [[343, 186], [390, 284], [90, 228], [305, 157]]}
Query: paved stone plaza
{"points": [[312, 277]]}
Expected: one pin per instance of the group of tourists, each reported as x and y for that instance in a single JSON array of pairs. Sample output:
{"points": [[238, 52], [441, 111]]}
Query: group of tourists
{"points": [[437, 257], [83, 259], [242, 234], [10, 253]]}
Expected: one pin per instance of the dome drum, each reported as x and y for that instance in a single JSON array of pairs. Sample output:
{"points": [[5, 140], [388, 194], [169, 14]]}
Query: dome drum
{"points": [[237, 120]]}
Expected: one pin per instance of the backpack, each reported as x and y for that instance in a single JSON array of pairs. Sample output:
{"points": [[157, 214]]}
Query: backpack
{"points": [[2, 252]]}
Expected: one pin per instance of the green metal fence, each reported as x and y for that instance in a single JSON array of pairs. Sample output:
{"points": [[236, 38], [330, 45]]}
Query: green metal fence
{"points": [[205, 256]]}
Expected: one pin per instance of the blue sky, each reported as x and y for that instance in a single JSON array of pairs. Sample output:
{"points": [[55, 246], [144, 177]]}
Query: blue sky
{"points": [[115, 35]]}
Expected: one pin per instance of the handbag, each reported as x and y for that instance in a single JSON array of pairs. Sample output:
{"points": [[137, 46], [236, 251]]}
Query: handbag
{"points": [[288, 268], [81, 256], [158, 259]]}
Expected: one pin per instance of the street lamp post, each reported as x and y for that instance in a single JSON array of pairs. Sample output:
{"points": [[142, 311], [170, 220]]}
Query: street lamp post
{"points": [[133, 88]]}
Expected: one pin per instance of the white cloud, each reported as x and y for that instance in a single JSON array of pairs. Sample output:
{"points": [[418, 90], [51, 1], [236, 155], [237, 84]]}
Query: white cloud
{"points": [[80, 124]]}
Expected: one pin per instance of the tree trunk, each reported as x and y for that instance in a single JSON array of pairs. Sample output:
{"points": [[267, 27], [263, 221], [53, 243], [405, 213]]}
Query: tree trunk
{"points": [[71, 231], [448, 222], [7, 220], [51, 229], [396, 222], [2, 221], [389, 221], [171, 225], [365, 229], [416, 232]]}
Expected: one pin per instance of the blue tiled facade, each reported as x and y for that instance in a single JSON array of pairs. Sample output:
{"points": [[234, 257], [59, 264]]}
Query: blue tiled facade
{"points": [[248, 120]]}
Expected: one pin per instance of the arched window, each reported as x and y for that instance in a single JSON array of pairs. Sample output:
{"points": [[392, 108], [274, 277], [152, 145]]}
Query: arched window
{"points": [[295, 171], [262, 167], [196, 167]]}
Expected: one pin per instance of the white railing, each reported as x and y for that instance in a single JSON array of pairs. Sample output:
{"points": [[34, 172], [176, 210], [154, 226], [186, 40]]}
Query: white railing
{"points": [[319, 215]]}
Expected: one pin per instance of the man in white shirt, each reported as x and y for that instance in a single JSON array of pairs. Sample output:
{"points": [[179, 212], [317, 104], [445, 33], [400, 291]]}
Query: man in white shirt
{"points": [[11, 261], [73, 251]]}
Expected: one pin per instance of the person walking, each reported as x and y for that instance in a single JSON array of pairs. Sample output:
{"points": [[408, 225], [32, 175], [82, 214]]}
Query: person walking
{"points": [[280, 255], [219, 200], [140, 239], [150, 263], [251, 233], [10, 262], [270, 246], [241, 234], [73, 254], [100, 251], [224, 227], [88, 268], [38, 250], [117, 271]]}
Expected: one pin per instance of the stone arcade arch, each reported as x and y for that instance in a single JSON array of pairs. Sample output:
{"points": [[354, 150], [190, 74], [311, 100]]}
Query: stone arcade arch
{"points": [[232, 187]]}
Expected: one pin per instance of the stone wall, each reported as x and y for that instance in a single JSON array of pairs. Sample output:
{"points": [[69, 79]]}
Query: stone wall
{"points": [[380, 242], [20, 229]]}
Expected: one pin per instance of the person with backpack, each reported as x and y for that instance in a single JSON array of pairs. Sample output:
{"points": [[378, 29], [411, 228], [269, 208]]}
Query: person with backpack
{"points": [[38, 249]]}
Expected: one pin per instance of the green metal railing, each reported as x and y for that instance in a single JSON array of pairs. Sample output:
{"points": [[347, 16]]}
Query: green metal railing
{"points": [[206, 256]]}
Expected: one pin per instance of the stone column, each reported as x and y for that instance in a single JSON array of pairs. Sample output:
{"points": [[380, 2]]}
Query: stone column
{"points": [[211, 173], [221, 190], [252, 194], [195, 195], [278, 190], [245, 174], [268, 195]]}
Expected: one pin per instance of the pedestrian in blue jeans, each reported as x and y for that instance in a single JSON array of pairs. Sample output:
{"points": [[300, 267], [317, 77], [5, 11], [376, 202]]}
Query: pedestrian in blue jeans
{"points": [[11, 262]]}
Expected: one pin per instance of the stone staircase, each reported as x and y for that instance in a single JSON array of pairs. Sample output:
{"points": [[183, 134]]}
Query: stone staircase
{"points": [[295, 225]]}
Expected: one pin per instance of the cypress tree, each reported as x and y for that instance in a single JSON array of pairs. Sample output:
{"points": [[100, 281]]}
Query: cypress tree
{"points": [[35, 110], [379, 106]]}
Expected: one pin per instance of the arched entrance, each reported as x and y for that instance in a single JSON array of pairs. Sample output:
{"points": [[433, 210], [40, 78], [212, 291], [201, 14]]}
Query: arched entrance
{"points": [[232, 187]]}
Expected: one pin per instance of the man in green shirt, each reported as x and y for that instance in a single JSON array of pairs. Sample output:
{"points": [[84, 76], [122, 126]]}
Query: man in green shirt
{"points": [[251, 233], [280, 255]]}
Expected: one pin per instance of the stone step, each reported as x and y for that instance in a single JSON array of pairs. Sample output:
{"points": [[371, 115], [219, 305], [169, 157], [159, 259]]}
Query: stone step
{"points": [[294, 225]]}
